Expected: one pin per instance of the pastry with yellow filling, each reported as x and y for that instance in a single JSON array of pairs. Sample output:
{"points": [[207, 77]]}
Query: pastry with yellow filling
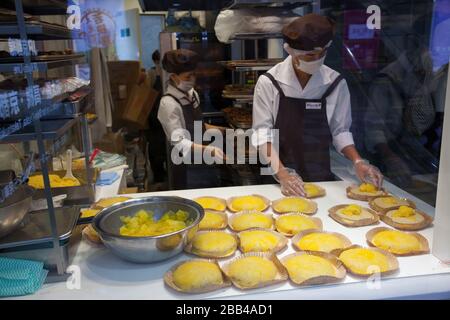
{"points": [[108, 202], [211, 203], [367, 261], [364, 192], [294, 204], [310, 268], [320, 241], [88, 213], [37, 181], [213, 244], [407, 218], [195, 276], [314, 191], [383, 204], [213, 220], [397, 242], [252, 271], [258, 240], [292, 223], [247, 220], [353, 215], [248, 203]]}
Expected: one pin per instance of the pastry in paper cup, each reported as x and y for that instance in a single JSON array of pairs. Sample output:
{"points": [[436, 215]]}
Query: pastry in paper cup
{"points": [[108, 202], [364, 192], [313, 268], [353, 215], [211, 203], [385, 203], [322, 241], [213, 244], [398, 243], [314, 191], [254, 270], [248, 203], [261, 240], [364, 262], [245, 220], [213, 220], [289, 224], [196, 276], [406, 218], [294, 205]]}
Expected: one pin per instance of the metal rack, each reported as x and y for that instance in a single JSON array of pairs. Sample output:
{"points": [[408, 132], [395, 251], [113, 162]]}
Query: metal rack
{"points": [[45, 235]]}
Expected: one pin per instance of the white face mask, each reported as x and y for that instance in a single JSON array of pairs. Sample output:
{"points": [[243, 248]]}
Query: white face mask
{"points": [[186, 86], [309, 67]]}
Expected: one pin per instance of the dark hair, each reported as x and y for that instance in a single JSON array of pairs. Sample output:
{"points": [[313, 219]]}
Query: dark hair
{"points": [[156, 56]]}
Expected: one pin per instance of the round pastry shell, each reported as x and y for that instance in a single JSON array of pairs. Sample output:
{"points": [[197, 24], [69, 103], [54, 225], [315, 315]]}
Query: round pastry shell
{"points": [[316, 221], [340, 269], [333, 213], [168, 279], [282, 243], [265, 200], [392, 260], [363, 197], [280, 277], [220, 200], [380, 210], [241, 213], [347, 243], [322, 192], [422, 240], [311, 210], [404, 226], [223, 215], [190, 249]]}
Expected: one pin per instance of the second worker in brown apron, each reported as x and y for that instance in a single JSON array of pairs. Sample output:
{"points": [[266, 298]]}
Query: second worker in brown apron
{"points": [[307, 106]]}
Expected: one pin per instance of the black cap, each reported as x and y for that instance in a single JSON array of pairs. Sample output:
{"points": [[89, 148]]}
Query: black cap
{"points": [[179, 61]]}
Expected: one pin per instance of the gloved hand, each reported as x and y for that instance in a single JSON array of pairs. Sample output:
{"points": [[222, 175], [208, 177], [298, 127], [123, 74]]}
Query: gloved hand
{"points": [[217, 153], [291, 183], [368, 173]]}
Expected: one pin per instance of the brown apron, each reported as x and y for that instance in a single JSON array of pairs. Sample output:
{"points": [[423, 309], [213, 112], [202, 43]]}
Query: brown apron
{"points": [[178, 177], [304, 134]]}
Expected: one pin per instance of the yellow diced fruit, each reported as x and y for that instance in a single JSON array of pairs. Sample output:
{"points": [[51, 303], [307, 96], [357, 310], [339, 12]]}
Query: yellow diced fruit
{"points": [[368, 187], [404, 212], [352, 210]]}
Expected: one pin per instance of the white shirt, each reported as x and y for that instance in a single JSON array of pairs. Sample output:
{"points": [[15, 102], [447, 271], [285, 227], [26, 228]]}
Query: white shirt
{"points": [[171, 117], [266, 102]]}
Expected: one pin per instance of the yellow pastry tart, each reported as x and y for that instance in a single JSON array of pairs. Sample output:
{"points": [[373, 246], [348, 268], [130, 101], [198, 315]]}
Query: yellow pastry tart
{"points": [[364, 192], [313, 268], [108, 202], [260, 240], [254, 270], [252, 219], [314, 191], [294, 204], [367, 261], [212, 244], [398, 242], [89, 213], [385, 203], [406, 218], [353, 215], [213, 220], [248, 203], [211, 203], [290, 224], [195, 276], [321, 241]]}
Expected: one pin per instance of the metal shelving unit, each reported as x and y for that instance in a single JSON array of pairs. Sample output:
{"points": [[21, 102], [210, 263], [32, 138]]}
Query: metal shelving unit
{"points": [[38, 30], [44, 235]]}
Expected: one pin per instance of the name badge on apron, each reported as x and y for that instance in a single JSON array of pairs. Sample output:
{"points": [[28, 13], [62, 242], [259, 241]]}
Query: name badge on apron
{"points": [[313, 105]]}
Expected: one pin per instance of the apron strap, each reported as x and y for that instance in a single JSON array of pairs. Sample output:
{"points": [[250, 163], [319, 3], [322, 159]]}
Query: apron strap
{"points": [[275, 83], [333, 86], [174, 98]]}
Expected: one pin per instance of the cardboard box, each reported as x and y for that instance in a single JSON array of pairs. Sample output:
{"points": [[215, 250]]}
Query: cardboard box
{"points": [[112, 142]]}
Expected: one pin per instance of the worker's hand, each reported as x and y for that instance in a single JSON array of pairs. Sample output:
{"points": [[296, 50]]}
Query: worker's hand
{"points": [[291, 183], [368, 173], [217, 153]]}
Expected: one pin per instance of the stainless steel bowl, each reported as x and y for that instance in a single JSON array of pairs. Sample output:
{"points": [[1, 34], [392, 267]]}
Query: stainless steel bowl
{"points": [[146, 249], [14, 209]]}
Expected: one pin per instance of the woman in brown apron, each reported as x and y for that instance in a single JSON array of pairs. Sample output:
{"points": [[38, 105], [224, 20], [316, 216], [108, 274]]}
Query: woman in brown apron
{"points": [[309, 104], [179, 114]]}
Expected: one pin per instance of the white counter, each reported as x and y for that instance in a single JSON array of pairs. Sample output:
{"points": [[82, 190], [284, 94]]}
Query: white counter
{"points": [[104, 276]]}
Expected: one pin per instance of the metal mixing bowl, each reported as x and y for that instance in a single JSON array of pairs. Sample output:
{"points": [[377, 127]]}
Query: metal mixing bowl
{"points": [[146, 249], [14, 209]]}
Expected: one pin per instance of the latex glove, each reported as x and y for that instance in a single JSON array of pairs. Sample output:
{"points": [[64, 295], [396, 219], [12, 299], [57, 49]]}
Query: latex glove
{"points": [[217, 153], [368, 173], [291, 183]]}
